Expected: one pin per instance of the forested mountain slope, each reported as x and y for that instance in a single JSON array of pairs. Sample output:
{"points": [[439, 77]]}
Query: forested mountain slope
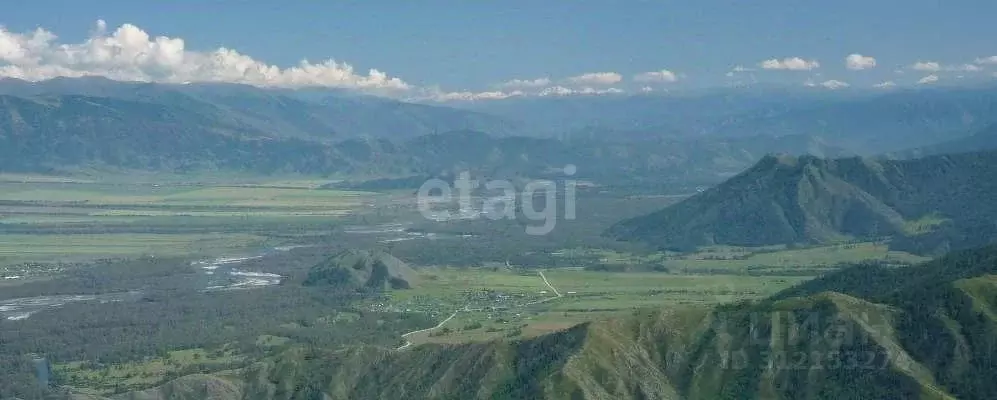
{"points": [[930, 205], [929, 333]]}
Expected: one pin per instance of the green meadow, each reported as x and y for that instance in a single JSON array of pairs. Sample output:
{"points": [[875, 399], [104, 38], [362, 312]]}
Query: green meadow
{"points": [[57, 219]]}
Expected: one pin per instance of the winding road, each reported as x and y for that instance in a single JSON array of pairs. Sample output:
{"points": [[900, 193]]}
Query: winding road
{"points": [[558, 294], [440, 325]]}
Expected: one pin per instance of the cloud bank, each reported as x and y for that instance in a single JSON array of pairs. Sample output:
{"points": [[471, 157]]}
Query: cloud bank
{"points": [[790, 64], [525, 83], [130, 54], [657, 76], [595, 78], [858, 62], [832, 84], [927, 66]]}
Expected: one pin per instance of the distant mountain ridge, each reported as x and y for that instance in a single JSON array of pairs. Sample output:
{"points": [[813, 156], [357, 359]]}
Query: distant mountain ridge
{"points": [[866, 122], [928, 204], [674, 142], [276, 113], [63, 132]]}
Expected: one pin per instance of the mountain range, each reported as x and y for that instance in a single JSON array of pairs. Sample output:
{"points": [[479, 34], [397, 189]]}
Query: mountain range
{"points": [[66, 124], [864, 122]]}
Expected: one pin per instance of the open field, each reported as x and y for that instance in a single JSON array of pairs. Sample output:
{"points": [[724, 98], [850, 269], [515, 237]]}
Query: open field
{"points": [[509, 302], [19, 248], [763, 259], [140, 374], [58, 219]]}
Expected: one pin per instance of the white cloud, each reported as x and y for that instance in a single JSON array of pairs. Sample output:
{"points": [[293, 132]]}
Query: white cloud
{"points": [[656, 76], [987, 60], [856, 62], [928, 79], [834, 84], [929, 66], [792, 64], [438, 95], [563, 91], [595, 78], [647, 89], [828, 84], [468, 96], [737, 70], [130, 54], [964, 68], [525, 83], [887, 84]]}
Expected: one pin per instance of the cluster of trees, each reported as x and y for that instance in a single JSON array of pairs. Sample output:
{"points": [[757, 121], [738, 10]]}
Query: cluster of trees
{"points": [[173, 314]]}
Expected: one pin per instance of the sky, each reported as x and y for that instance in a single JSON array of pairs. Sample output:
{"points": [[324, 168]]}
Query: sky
{"points": [[479, 50]]}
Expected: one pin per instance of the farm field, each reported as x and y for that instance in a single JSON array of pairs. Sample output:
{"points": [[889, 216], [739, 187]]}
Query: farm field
{"points": [[133, 375], [22, 248], [768, 260], [495, 303], [55, 219]]}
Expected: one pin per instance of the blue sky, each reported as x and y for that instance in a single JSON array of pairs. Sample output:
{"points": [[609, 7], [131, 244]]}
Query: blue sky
{"points": [[473, 46]]}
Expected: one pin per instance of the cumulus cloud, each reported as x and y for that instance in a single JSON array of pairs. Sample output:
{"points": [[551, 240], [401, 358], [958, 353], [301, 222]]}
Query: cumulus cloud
{"points": [[883, 85], [828, 84], [438, 95], [564, 91], [987, 60], [130, 54], [928, 79], [739, 69], [834, 84], [928, 66], [964, 68], [525, 83], [931, 66], [595, 78], [856, 62], [441, 96], [656, 76], [791, 63]]}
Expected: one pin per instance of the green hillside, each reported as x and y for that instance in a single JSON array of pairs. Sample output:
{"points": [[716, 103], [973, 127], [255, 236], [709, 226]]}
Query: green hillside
{"points": [[929, 205], [362, 269], [934, 336]]}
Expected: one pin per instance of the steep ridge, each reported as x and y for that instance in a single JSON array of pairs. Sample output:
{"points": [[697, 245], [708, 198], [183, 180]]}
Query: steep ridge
{"points": [[931, 204]]}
